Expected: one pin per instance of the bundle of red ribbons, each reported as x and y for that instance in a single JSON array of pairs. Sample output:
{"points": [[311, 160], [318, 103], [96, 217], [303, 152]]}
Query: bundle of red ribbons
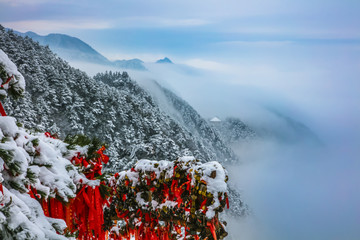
{"points": [[83, 214], [153, 200], [167, 200]]}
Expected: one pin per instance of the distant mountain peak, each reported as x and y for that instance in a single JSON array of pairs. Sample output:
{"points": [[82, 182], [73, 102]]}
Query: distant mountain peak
{"points": [[135, 63], [164, 60]]}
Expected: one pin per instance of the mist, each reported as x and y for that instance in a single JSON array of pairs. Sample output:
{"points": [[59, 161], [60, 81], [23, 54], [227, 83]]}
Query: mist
{"points": [[300, 189], [298, 192], [295, 190]]}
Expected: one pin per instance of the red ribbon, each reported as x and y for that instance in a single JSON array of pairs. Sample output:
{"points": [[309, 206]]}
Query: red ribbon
{"points": [[47, 134], [2, 110], [79, 160], [202, 205], [7, 81], [84, 213], [212, 229], [104, 158]]}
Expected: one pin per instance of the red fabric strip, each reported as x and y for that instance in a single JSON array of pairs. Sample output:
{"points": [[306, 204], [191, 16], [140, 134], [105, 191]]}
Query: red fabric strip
{"points": [[7, 81], [2, 110]]}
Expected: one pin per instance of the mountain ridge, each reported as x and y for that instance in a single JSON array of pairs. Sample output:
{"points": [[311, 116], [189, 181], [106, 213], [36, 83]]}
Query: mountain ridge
{"points": [[60, 97], [74, 49]]}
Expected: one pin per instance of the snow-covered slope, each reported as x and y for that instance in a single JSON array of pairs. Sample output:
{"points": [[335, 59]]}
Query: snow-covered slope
{"points": [[183, 114], [233, 130], [68, 47], [285, 129]]}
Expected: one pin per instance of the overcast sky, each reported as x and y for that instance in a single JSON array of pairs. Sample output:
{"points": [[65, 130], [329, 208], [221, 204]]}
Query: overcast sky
{"points": [[187, 28]]}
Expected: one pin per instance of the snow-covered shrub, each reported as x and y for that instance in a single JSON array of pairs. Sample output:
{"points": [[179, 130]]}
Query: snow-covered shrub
{"points": [[10, 78], [169, 200], [33, 166]]}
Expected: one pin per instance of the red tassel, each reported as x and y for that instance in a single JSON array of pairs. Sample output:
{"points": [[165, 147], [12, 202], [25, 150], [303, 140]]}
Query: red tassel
{"points": [[147, 217], [60, 208], [45, 207], [52, 208], [69, 215], [174, 185], [85, 196], [90, 196], [212, 229], [2, 110], [99, 213], [202, 205]]}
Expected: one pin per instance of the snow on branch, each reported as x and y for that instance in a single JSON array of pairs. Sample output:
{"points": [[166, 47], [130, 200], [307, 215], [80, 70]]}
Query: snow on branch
{"points": [[169, 200]]}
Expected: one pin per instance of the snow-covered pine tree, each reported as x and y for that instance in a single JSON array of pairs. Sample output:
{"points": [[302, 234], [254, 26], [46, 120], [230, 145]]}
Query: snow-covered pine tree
{"points": [[36, 168], [23, 165]]}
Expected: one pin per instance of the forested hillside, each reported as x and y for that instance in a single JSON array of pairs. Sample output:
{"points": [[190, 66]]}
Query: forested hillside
{"points": [[111, 107], [64, 100]]}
